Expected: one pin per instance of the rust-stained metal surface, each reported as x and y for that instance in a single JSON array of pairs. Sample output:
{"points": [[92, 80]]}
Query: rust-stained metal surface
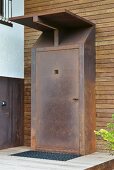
{"points": [[57, 99], [63, 82], [51, 20], [74, 91]]}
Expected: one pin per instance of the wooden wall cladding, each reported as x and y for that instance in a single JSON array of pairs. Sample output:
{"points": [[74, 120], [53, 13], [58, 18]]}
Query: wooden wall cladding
{"points": [[102, 14]]}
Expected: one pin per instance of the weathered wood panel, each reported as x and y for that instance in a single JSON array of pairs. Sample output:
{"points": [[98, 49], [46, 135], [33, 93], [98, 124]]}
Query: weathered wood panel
{"points": [[11, 114], [100, 12]]}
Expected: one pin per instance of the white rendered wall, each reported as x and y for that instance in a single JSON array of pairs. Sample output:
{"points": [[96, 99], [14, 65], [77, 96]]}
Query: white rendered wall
{"points": [[12, 45]]}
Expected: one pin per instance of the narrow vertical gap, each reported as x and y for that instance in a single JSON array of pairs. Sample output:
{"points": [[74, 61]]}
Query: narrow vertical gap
{"points": [[1, 8]]}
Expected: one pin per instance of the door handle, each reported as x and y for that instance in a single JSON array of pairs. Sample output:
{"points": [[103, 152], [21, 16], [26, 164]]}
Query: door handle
{"points": [[75, 99], [3, 103]]}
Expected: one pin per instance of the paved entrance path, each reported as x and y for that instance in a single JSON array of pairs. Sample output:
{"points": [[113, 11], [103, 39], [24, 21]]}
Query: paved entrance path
{"points": [[8, 162]]}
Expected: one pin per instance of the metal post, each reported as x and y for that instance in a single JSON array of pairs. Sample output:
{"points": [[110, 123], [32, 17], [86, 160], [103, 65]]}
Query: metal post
{"points": [[5, 9], [11, 7], [8, 8]]}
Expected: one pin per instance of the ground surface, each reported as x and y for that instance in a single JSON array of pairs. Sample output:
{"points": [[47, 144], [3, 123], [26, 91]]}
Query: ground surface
{"points": [[8, 162]]}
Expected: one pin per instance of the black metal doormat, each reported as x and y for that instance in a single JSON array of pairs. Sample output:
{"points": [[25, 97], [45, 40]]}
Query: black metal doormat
{"points": [[47, 155]]}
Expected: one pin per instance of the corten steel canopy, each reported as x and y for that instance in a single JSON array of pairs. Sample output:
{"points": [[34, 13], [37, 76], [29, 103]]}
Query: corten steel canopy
{"points": [[63, 82], [63, 19]]}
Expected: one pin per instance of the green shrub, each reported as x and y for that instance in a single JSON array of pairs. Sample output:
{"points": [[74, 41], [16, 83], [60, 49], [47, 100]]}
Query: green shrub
{"points": [[108, 135]]}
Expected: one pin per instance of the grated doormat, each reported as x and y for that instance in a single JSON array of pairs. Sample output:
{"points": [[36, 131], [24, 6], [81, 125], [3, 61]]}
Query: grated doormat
{"points": [[47, 155]]}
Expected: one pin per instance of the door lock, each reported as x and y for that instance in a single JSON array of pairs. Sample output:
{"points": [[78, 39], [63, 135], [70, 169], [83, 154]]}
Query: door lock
{"points": [[3, 103]]}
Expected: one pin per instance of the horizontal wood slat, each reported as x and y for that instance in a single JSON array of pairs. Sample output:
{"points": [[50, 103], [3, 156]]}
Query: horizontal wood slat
{"points": [[102, 14]]}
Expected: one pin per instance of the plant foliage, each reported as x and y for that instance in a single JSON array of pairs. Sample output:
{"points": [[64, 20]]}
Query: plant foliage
{"points": [[108, 135]]}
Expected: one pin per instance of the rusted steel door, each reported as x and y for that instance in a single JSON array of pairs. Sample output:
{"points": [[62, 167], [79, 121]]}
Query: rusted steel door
{"points": [[57, 100], [5, 122]]}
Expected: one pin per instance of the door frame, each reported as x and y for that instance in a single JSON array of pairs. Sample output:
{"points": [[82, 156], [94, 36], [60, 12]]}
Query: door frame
{"points": [[80, 47]]}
